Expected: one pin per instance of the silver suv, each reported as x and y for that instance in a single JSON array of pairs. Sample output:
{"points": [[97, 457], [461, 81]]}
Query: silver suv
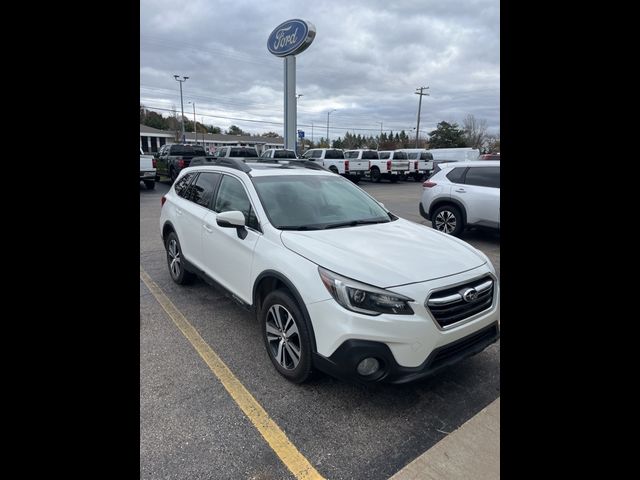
{"points": [[463, 194]]}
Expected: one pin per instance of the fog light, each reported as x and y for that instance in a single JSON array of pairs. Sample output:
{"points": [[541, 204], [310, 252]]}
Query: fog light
{"points": [[368, 366]]}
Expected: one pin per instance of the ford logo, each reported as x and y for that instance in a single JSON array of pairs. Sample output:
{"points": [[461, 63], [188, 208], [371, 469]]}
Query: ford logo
{"points": [[291, 37]]}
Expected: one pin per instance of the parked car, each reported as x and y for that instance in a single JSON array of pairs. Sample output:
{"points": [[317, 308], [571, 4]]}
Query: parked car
{"points": [[337, 282], [147, 170], [278, 153], [393, 165], [420, 163], [463, 194], [333, 159], [173, 158], [236, 152]]}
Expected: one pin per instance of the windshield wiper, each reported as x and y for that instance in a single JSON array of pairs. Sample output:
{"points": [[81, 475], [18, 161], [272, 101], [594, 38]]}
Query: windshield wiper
{"points": [[297, 227], [353, 223]]}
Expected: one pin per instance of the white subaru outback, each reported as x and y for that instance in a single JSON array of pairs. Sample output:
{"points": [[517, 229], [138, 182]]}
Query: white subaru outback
{"points": [[338, 283]]}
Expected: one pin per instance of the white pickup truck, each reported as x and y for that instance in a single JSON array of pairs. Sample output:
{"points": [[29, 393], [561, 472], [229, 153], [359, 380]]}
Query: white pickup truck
{"points": [[392, 165], [147, 170], [334, 160], [420, 163]]}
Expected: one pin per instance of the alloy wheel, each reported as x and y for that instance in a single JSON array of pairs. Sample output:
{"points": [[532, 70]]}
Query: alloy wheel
{"points": [[283, 337], [174, 258], [445, 221]]}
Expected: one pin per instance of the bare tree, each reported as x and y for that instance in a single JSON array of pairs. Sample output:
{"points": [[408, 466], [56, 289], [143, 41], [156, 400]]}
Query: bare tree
{"points": [[492, 143], [475, 131]]}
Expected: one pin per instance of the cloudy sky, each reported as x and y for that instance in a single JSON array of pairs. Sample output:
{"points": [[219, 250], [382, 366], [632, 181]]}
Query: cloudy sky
{"points": [[367, 60]]}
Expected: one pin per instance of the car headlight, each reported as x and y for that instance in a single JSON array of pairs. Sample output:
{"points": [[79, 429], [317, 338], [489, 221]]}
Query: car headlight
{"points": [[363, 298]]}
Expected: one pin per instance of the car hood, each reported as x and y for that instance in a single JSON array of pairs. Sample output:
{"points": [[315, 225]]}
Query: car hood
{"points": [[385, 254]]}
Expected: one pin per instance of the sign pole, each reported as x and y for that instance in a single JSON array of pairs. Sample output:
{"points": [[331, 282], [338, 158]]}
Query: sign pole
{"points": [[290, 102]]}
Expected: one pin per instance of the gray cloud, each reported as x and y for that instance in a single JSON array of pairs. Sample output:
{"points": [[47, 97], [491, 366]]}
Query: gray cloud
{"points": [[366, 61]]}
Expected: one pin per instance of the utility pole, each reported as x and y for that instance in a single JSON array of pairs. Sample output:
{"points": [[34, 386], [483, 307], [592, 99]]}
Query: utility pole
{"points": [[195, 132], [329, 113], [184, 79], [312, 142], [380, 137], [419, 107]]}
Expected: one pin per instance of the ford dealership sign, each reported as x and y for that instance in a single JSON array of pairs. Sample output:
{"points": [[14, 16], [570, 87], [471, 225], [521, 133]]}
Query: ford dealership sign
{"points": [[291, 37]]}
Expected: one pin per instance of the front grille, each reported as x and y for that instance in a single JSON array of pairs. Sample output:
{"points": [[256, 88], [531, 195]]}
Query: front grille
{"points": [[451, 305]]}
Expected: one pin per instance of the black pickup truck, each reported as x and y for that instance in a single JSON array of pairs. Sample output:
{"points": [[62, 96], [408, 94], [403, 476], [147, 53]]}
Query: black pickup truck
{"points": [[173, 158]]}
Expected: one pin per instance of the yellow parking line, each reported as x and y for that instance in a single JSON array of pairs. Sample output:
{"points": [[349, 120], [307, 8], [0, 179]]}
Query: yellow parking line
{"points": [[275, 437]]}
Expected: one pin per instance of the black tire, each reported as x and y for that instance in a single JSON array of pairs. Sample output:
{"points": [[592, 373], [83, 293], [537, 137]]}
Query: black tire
{"points": [[375, 174], [280, 347], [333, 169], [393, 178], [150, 184], [417, 176], [354, 178], [175, 260], [448, 219]]}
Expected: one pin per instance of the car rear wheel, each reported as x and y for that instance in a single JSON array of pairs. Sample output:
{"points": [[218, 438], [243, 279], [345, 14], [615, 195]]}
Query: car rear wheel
{"points": [[175, 261], [447, 219], [286, 336], [375, 174], [150, 184]]}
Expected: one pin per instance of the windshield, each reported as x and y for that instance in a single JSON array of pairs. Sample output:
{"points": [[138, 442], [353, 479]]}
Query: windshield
{"points": [[304, 202]]}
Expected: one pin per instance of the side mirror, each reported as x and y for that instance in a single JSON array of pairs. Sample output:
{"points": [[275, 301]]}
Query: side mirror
{"points": [[233, 219]]}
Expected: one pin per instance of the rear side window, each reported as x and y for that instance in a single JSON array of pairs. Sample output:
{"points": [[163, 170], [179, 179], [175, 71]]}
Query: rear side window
{"points": [[399, 155], [203, 188], [232, 196], [333, 154], [483, 177], [284, 154], [370, 155], [456, 175], [384, 155], [350, 154], [426, 156], [182, 184], [198, 151], [412, 156]]}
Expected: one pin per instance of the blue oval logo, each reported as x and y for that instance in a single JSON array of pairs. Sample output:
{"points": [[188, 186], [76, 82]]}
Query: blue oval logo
{"points": [[291, 37]]}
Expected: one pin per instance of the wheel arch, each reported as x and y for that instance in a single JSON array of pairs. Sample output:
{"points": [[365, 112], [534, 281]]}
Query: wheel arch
{"points": [[448, 201], [270, 280]]}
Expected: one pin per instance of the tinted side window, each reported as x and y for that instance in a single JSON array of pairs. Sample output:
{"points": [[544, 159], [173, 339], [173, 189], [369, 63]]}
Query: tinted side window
{"points": [[456, 175], [384, 155], [231, 196], [412, 155], [350, 154], [181, 184], [370, 155], [483, 177], [426, 156], [399, 155], [203, 188], [333, 154], [316, 154]]}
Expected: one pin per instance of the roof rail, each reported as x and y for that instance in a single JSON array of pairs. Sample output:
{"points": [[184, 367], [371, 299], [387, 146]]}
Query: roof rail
{"points": [[300, 162], [235, 163]]}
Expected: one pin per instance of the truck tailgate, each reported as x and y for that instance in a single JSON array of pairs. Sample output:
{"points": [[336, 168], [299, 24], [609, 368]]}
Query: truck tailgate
{"points": [[146, 163], [358, 165]]}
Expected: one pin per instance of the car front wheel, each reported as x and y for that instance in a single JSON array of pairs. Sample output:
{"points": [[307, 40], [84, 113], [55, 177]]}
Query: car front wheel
{"points": [[448, 219], [286, 336]]}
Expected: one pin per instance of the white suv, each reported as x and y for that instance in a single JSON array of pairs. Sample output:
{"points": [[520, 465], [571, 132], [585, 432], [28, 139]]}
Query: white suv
{"points": [[462, 194], [337, 282]]}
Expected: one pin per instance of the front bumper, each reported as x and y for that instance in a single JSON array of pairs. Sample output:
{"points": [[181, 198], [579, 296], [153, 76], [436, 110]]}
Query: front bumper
{"points": [[404, 344], [344, 361]]}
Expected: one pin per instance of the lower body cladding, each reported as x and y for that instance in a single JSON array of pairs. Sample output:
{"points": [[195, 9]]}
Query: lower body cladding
{"points": [[401, 348]]}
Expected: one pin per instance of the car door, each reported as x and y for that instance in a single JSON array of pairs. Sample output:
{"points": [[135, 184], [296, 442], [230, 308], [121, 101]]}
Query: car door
{"points": [[481, 192], [227, 257]]}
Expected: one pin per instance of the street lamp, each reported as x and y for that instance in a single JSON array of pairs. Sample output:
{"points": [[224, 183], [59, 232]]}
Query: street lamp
{"points": [[195, 132], [329, 113], [184, 79]]}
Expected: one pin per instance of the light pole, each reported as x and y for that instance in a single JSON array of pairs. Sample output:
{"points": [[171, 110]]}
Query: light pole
{"points": [[422, 89], [184, 79], [329, 113], [195, 132]]}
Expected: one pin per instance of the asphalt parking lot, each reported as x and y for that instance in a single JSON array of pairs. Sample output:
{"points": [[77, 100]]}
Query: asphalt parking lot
{"points": [[190, 426]]}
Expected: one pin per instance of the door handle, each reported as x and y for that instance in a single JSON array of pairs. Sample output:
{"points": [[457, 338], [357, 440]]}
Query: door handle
{"points": [[461, 190], [206, 227]]}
